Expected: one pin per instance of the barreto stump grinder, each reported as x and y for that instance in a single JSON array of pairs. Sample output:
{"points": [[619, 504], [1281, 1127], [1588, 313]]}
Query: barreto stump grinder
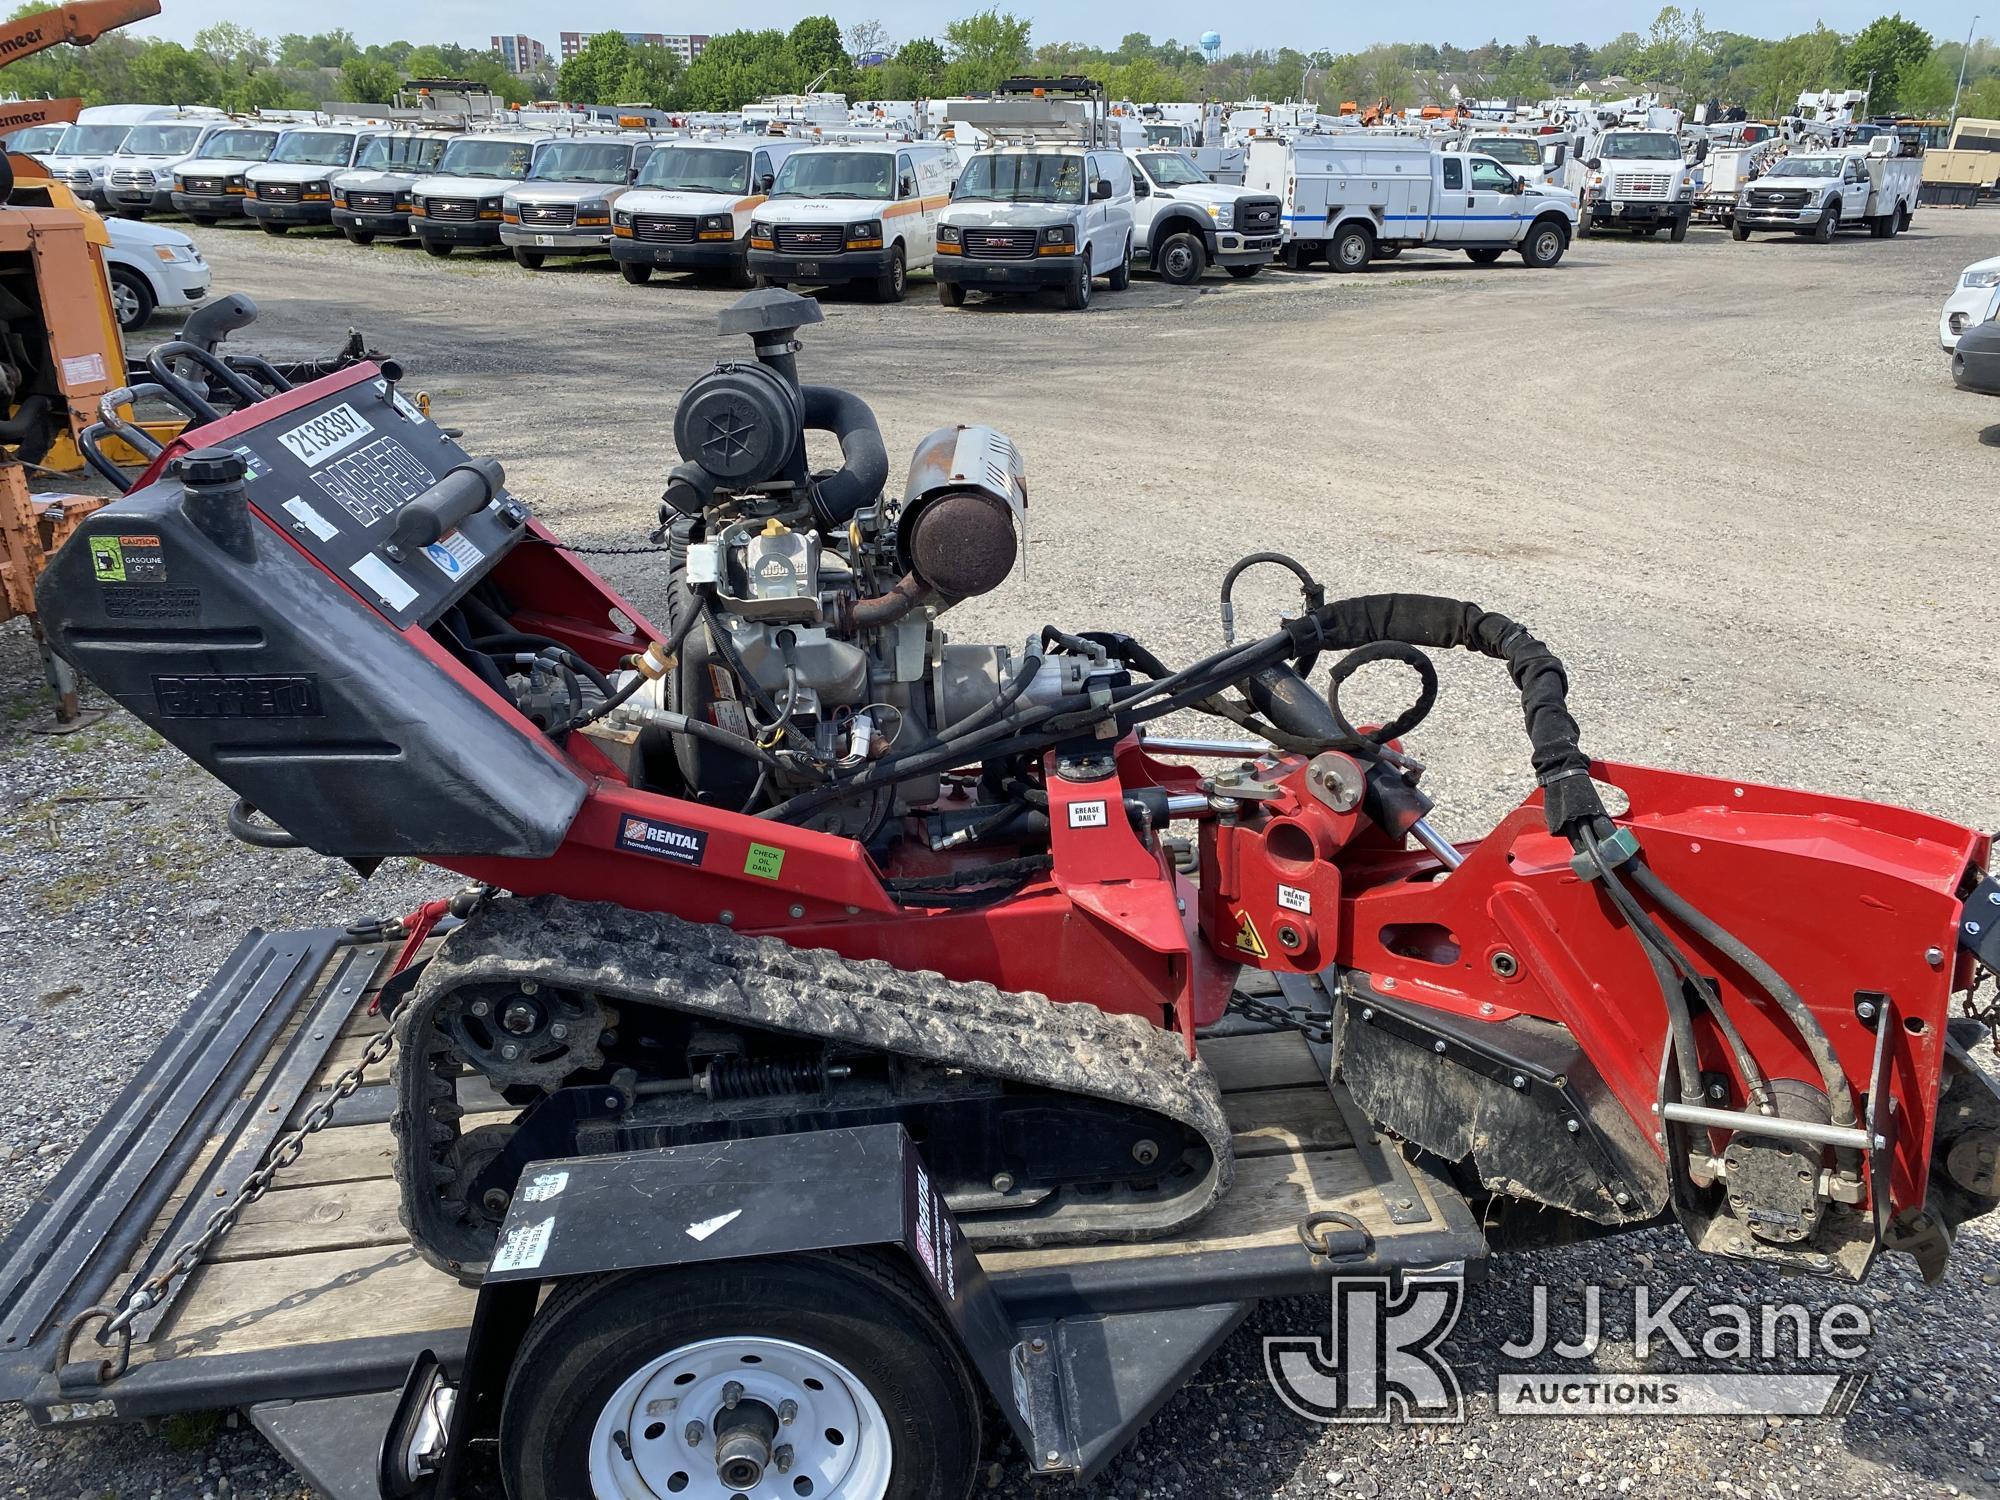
{"points": [[813, 958]]}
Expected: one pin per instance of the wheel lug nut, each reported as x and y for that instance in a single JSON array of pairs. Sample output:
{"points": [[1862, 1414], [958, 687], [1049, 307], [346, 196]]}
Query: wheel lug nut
{"points": [[783, 1458], [559, 1031], [510, 1051], [732, 1393], [479, 1007], [695, 1433], [787, 1411]]}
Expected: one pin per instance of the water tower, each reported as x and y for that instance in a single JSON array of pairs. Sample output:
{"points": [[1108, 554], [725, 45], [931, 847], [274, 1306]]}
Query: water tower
{"points": [[1211, 44]]}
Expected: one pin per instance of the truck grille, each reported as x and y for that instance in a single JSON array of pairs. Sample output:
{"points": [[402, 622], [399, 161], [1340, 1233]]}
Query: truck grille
{"points": [[1655, 185], [1778, 197], [663, 229], [372, 202], [1001, 244], [127, 180], [1257, 215], [560, 215], [278, 192], [203, 184], [811, 239], [452, 208]]}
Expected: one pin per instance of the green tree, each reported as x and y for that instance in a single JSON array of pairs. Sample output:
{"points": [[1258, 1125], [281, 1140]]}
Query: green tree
{"points": [[816, 49], [591, 77], [265, 89], [168, 73], [736, 67], [650, 76], [430, 62], [326, 49], [231, 45], [1885, 49], [986, 48], [925, 61], [363, 81]]}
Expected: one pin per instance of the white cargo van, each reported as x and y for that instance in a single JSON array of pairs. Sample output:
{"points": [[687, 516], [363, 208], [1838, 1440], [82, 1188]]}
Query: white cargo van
{"points": [[856, 211], [691, 208], [139, 178], [296, 185], [1354, 200]]}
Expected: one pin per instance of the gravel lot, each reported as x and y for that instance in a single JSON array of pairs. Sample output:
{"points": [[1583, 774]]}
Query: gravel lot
{"points": [[1732, 484]]}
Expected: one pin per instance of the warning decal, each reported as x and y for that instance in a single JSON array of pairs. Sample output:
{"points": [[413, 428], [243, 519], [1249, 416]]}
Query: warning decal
{"points": [[1247, 939]]}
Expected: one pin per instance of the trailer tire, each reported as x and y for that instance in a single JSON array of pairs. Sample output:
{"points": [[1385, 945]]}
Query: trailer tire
{"points": [[438, 248], [360, 236], [1483, 255], [1822, 232], [888, 1369], [1544, 245], [1183, 259], [633, 272], [951, 294], [892, 283], [1121, 274], [528, 260], [1352, 247], [1738, 232]]}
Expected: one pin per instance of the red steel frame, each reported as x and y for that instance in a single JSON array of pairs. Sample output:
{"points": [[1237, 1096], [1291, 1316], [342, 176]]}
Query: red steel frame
{"points": [[1844, 898]]}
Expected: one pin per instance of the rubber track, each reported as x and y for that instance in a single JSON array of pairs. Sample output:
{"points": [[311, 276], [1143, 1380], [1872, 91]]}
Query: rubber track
{"points": [[649, 958]]}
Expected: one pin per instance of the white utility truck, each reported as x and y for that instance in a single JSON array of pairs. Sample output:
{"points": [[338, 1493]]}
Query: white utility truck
{"points": [[1534, 158], [1186, 223], [1729, 169], [1872, 187], [1363, 198], [1638, 181]]}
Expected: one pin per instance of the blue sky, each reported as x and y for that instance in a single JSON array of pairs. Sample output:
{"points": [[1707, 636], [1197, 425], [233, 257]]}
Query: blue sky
{"points": [[1339, 27]]}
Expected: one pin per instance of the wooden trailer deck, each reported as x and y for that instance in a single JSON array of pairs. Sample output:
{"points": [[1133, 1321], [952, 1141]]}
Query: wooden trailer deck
{"points": [[317, 1293]]}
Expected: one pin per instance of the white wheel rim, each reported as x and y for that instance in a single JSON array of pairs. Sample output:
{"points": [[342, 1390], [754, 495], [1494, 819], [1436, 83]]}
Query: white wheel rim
{"points": [[125, 302], [651, 1411], [1353, 252]]}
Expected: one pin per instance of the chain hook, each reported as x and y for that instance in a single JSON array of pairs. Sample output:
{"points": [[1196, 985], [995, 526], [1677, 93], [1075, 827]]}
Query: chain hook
{"points": [[117, 1323], [1313, 1235]]}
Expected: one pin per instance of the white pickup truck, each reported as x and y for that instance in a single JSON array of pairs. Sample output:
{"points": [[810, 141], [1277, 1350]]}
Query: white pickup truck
{"points": [[1183, 223], [1371, 197], [1816, 192]]}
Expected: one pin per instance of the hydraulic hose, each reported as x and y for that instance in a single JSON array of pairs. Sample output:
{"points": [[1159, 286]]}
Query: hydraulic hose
{"points": [[860, 479], [1839, 1092]]}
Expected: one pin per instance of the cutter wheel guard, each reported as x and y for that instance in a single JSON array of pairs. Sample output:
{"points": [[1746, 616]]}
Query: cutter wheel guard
{"points": [[793, 858]]}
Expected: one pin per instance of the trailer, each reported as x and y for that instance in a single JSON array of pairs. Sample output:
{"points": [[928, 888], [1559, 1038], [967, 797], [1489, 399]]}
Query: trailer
{"points": [[311, 1312]]}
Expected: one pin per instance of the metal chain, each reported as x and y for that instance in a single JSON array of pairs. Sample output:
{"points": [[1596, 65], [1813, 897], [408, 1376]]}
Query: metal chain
{"points": [[283, 1153], [1987, 1015], [1314, 1026]]}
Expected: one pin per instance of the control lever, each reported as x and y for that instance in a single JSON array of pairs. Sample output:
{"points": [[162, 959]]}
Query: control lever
{"points": [[464, 490]]}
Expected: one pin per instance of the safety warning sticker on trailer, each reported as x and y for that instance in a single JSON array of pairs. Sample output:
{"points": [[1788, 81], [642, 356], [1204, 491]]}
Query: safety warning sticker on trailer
{"points": [[523, 1246], [544, 1186], [454, 554], [1247, 940]]}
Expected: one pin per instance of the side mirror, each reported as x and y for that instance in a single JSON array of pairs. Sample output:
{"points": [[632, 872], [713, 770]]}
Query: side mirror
{"points": [[952, 191], [1140, 187], [1100, 190], [1518, 187], [907, 186], [764, 182], [1595, 163]]}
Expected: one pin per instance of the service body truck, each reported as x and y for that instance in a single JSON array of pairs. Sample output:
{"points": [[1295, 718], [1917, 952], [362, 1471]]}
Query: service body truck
{"points": [[212, 184], [853, 211], [460, 206], [1638, 181], [371, 199], [139, 178], [296, 185], [1720, 180], [563, 206], [1817, 192], [691, 208], [1186, 223], [1358, 198], [1535, 159]]}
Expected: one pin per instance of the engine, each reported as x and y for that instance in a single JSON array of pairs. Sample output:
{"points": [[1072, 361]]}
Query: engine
{"points": [[804, 606]]}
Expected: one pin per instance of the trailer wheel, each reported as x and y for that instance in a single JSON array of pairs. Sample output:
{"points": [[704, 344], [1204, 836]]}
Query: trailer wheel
{"points": [[360, 236], [951, 294], [439, 248], [636, 274], [609, 1399], [528, 260], [1352, 248], [1738, 231]]}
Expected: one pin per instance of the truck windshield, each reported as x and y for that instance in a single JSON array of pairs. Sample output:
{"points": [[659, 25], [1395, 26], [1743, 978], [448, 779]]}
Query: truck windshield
{"points": [[1642, 147], [37, 139], [486, 158], [161, 140], [1514, 150], [1809, 166], [698, 169], [402, 153], [1030, 178], [836, 174], [1171, 169], [583, 161], [93, 140], [1166, 135], [238, 145], [314, 148]]}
